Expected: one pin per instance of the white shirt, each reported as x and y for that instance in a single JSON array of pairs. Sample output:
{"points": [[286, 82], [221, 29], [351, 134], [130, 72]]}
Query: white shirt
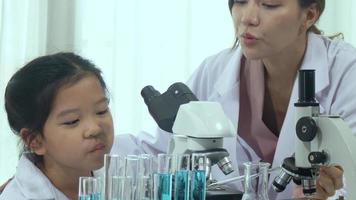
{"points": [[217, 79], [30, 183]]}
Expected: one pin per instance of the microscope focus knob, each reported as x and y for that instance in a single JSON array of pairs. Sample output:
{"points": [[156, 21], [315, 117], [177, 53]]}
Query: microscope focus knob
{"points": [[318, 157], [306, 129]]}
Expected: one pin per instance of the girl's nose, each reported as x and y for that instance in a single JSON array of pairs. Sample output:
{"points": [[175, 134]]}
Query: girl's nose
{"points": [[93, 129]]}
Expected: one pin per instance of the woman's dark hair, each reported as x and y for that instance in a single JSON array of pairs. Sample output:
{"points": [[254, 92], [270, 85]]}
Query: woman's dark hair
{"points": [[30, 93], [320, 4]]}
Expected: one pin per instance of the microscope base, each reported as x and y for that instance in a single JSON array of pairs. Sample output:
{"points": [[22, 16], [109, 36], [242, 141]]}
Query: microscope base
{"points": [[225, 194]]}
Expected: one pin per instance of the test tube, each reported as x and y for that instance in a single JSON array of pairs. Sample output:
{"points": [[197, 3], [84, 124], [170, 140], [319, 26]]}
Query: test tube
{"points": [[131, 177], [145, 179], [99, 191], [181, 179], [163, 179], [198, 177], [114, 177], [89, 188]]}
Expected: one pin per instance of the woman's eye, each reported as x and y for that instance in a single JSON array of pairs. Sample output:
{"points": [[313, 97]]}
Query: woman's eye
{"points": [[270, 6], [240, 1], [72, 122], [103, 112]]}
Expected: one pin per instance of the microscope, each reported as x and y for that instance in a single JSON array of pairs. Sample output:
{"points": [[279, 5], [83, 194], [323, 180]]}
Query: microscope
{"points": [[321, 140], [198, 127]]}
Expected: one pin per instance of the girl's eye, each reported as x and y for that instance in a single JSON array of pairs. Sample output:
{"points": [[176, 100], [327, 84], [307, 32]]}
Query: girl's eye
{"points": [[103, 112], [73, 122]]}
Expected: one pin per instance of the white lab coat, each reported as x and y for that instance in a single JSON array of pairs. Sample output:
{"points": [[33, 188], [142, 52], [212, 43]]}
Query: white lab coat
{"points": [[29, 183], [217, 79]]}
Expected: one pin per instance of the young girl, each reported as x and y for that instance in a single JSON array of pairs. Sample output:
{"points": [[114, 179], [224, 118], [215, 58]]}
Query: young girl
{"points": [[58, 106]]}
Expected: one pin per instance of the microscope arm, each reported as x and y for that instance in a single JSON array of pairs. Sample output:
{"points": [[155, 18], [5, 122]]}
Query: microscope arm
{"points": [[321, 140], [339, 143]]}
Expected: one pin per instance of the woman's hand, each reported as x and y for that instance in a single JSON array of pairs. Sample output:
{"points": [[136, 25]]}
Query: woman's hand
{"points": [[329, 180]]}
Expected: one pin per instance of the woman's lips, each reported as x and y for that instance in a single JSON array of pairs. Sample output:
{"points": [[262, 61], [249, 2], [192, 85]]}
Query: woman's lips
{"points": [[248, 39]]}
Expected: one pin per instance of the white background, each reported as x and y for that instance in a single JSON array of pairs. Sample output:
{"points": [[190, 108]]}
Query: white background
{"points": [[134, 42]]}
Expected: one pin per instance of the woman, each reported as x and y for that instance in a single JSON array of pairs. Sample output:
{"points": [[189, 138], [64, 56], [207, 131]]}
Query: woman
{"points": [[255, 83]]}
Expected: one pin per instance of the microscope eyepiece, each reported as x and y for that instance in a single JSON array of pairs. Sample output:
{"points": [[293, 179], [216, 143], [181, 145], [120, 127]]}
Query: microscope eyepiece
{"points": [[182, 91], [306, 90], [148, 93], [164, 107], [307, 86]]}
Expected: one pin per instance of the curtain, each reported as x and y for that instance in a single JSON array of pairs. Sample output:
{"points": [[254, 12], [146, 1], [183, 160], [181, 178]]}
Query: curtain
{"points": [[22, 36], [338, 18], [28, 29], [134, 42], [140, 42]]}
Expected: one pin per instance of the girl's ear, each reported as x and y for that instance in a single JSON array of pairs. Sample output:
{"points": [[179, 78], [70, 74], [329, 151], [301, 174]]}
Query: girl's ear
{"points": [[33, 141]]}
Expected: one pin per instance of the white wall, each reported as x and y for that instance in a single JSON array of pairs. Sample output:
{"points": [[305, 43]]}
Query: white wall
{"points": [[134, 42]]}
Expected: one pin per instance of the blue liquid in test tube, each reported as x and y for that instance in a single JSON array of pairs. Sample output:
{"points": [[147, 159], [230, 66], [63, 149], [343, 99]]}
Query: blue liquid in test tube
{"points": [[165, 186], [198, 185], [97, 196], [181, 185], [94, 196], [84, 197]]}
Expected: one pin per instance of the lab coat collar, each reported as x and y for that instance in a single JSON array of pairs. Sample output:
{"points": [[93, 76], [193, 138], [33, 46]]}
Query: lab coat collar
{"points": [[33, 183], [315, 58], [227, 80]]}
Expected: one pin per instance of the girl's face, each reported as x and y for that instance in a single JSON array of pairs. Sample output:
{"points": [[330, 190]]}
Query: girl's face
{"points": [[79, 128], [267, 27]]}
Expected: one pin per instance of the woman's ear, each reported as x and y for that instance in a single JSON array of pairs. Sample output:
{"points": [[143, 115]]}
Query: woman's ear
{"points": [[312, 16], [33, 141]]}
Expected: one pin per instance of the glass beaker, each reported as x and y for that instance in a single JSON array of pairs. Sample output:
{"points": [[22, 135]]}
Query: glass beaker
{"points": [[114, 177], [256, 181]]}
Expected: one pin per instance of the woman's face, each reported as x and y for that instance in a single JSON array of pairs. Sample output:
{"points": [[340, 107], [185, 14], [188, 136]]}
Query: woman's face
{"points": [[267, 27], [79, 129]]}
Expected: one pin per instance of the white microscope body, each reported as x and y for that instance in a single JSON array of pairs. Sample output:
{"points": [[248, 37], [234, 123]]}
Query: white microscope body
{"points": [[321, 140], [200, 127], [197, 127], [334, 145]]}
